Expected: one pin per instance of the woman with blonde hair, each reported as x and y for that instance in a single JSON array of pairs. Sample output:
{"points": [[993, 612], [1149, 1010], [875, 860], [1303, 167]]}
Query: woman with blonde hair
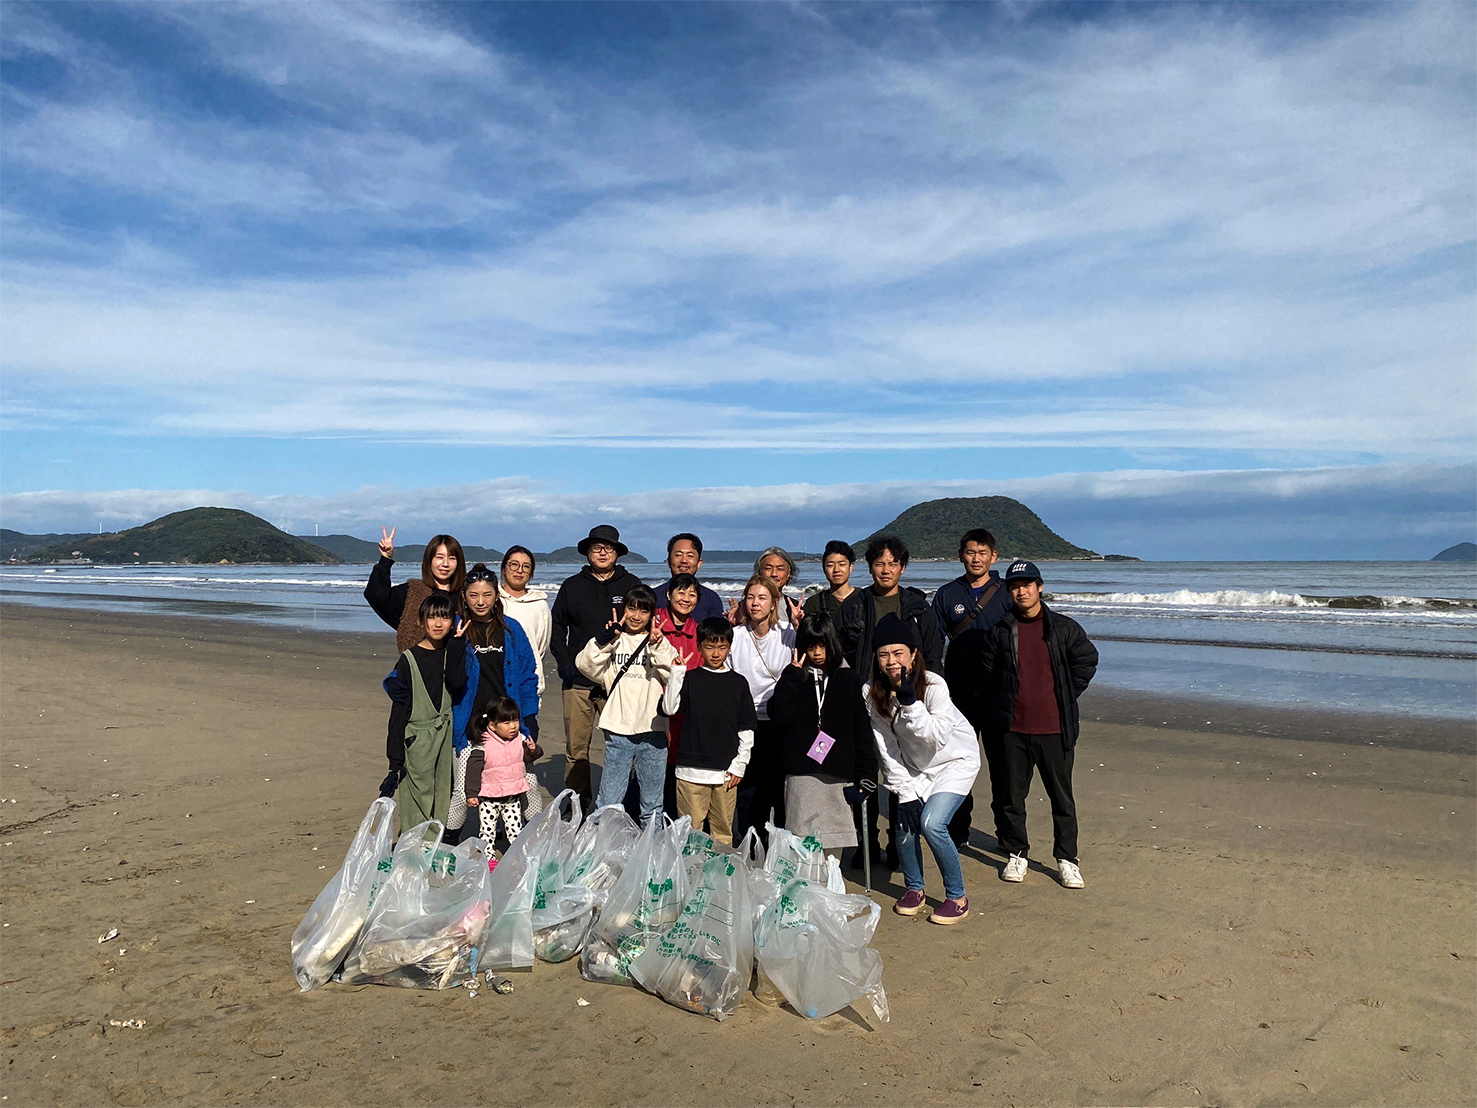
{"points": [[761, 651]]}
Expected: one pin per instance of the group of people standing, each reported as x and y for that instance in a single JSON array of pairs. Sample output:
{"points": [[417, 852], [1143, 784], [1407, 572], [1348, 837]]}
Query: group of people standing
{"points": [[763, 711]]}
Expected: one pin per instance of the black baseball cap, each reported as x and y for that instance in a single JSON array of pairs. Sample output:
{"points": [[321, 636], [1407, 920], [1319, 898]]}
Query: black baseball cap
{"points": [[1022, 571]]}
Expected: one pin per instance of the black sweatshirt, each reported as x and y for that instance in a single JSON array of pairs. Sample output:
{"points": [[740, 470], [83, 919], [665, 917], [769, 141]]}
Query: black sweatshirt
{"points": [[581, 609], [716, 705], [491, 683], [442, 670], [844, 717], [388, 601]]}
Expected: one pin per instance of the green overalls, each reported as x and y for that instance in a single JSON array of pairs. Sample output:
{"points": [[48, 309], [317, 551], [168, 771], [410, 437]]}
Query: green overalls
{"points": [[425, 792]]}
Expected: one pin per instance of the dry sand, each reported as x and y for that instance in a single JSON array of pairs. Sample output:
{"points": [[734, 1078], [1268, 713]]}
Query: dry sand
{"points": [[1268, 919]]}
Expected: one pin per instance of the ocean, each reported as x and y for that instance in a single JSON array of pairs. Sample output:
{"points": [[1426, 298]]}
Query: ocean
{"points": [[1392, 637]]}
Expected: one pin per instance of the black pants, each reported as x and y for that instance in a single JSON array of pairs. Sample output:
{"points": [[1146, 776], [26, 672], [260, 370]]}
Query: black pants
{"points": [[1022, 756], [994, 747], [761, 794]]}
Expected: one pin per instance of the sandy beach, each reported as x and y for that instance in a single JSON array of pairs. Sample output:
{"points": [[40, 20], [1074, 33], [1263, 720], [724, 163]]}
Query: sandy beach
{"points": [[1280, 910]]}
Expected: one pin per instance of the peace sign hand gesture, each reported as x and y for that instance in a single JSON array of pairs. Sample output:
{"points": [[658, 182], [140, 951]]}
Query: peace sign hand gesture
{"points": [[795, 659], [387, 543], [657, 638]]}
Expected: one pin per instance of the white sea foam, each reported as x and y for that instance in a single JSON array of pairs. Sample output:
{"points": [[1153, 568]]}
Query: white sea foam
{"points": [[1186, 598]]}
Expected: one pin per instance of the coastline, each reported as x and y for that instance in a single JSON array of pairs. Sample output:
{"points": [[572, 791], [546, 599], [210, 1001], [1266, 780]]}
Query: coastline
{"points": [[1276, 910]]}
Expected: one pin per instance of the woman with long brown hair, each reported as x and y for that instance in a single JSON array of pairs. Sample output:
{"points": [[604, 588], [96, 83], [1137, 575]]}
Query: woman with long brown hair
{"points": [[443, 569], [929, 757]]}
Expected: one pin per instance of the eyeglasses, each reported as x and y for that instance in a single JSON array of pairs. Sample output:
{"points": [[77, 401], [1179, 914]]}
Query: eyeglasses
{"points": [[601, 548]]}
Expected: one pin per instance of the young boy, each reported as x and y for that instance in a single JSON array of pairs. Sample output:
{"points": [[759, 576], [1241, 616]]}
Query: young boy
{"points": [[496, 778], [631, 660], [426, 680], [718, 723], [837, 563]]}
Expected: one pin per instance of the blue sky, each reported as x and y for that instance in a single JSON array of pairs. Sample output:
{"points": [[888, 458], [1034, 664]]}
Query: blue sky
{"points": [[1192, 280]]}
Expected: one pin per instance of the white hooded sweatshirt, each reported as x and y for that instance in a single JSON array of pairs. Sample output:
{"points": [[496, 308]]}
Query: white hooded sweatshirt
{"points": [[533, 614]]}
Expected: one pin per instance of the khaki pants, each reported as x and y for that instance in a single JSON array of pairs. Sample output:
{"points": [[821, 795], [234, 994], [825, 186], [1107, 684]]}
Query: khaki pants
{"points": [[579, 725], [713, 803]]}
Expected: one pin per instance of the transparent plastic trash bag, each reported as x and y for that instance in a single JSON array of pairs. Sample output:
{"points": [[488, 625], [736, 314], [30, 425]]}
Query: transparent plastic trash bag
{"points": [[516, 883], [705, 960], [333, 922], [601, 849], [426, 922], [646, 900], [792, 856], [812, 946]]}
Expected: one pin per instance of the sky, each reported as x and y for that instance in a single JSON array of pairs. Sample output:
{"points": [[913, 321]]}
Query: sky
{"points": [[1192, 281]]}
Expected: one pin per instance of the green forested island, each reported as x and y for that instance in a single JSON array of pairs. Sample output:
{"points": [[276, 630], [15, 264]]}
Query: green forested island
{"points": [[199, 535], [932, 529]]}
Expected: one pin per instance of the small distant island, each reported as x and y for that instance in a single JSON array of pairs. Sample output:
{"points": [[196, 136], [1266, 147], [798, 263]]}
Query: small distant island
{"points": [[932, 530], [1461, 552]]}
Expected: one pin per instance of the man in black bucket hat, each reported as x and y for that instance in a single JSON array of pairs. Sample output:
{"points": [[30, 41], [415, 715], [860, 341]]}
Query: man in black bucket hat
{"points": [[585, 604]]}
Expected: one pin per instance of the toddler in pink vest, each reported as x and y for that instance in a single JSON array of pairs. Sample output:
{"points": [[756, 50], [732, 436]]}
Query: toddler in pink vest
{"points": [[496, 775]]}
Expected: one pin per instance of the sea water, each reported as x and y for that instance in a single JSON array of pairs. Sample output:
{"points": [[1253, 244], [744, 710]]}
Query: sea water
{"points": [[1366, 636]]}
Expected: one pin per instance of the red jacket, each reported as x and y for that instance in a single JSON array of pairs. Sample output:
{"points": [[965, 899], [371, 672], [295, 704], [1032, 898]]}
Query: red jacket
{"points": [[684, 641]]}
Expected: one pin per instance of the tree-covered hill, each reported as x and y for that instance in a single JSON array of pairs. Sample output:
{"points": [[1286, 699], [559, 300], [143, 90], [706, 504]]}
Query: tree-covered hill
{"points": [[197, 535], [17, 544], [932, 529]]}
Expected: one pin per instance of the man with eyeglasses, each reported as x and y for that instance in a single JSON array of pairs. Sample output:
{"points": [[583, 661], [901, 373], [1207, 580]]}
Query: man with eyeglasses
{"points": [[586, 603]]}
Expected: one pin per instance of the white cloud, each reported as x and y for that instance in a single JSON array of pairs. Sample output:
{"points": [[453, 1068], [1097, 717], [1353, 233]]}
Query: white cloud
{"points": [[1181, 229]]}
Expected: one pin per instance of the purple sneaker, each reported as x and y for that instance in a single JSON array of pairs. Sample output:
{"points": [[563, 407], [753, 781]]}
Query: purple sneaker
{"points": [[910, 903], [951, 911]]}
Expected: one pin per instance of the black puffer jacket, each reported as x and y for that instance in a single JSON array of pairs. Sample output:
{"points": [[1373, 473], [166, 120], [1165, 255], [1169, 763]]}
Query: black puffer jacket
{"points": [[1073, 663], [858, 615], [843, 717]]}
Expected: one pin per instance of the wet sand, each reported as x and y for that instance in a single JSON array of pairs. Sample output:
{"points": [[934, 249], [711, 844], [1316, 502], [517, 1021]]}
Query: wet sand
{"points": [[1276, 912]]}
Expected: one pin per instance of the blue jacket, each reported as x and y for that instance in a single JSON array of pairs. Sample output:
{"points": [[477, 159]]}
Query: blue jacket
{"points": [[520, 675], [955, 600]]}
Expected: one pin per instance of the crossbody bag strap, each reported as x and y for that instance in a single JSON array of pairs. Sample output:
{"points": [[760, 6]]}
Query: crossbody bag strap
{"points": [[629, 663], [959, 628]]}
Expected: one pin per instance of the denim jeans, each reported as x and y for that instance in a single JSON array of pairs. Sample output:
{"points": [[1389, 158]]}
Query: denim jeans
{"points": [[648, 752], [937, 811]]}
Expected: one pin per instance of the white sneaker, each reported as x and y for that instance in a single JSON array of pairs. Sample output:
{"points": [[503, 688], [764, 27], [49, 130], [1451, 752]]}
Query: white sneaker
{"points": [[1015, 869], [1070, 875]]}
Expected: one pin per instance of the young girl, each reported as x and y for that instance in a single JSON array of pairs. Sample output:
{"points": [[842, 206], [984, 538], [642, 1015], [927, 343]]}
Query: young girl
{"points": [[930, 758], [496, 778], [425, 682], [499, 663], [443, 569], [631, 660], [825, 736], [761, 651]]}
